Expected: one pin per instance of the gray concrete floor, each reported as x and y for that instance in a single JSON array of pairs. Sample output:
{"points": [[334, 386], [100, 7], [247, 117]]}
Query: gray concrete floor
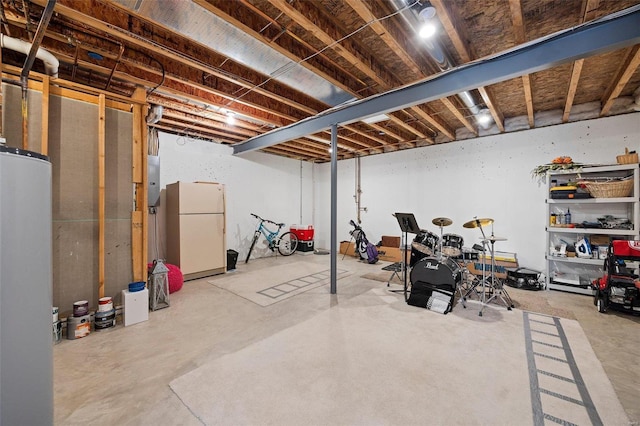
{"points": [[122, 376]]}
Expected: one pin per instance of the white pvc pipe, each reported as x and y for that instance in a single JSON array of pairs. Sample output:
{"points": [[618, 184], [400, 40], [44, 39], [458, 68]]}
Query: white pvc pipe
{"points": [[50, 62]]}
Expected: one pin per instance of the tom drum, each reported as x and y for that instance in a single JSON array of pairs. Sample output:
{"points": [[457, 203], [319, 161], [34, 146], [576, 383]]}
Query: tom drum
{"points": [[452, 245], [425, 242]]}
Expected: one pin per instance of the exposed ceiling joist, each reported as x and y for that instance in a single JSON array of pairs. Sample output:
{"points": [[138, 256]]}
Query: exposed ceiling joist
{"points": [[627, 68], [615, 32]]}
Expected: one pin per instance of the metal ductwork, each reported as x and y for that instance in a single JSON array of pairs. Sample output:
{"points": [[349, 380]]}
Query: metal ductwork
{"points": [[414, 17], [210, 30], [155, 114]]}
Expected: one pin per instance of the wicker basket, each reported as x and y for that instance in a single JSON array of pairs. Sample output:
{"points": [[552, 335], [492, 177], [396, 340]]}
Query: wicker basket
{"points": [[627, 158], [610, 189]]}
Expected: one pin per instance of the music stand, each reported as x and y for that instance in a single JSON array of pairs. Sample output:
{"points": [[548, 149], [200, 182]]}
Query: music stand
{"points": [[408, 225]]}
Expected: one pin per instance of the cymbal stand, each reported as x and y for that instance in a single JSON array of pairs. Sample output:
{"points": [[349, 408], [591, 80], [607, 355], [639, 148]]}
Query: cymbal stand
{"points": [[497, 288], [439, 257], [484, 273]]}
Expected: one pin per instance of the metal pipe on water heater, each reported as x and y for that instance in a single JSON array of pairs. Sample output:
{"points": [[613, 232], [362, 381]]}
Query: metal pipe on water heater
{"points": [[28, 63]]}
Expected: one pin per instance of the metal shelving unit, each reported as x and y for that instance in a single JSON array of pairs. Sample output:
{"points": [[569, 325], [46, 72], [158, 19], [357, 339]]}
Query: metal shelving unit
{"points": [[574, 274]]}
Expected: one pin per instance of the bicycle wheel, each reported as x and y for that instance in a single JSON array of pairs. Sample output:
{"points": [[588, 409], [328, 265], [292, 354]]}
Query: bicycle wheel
{"points": [[253, 244], [287, 244]]}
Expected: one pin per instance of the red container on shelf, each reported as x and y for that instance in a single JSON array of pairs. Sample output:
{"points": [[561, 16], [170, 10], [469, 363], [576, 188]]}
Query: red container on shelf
{"points": [[304, 233]]}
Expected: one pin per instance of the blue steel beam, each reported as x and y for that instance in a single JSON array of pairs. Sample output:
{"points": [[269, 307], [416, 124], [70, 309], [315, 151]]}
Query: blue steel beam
{"points": [[612, 32]]}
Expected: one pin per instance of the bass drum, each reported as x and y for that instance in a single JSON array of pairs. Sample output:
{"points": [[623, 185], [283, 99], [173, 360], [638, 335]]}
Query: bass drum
{"points": [[433, 284], [444, 273]]}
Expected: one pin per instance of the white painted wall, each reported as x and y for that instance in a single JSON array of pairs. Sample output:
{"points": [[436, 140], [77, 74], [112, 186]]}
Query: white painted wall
{"points": [[484, 177], [270, 186]]}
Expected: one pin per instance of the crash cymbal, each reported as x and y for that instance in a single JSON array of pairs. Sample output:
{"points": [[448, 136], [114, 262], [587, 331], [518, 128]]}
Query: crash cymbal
{"points": [[493, 239], [442, 221], [477, 223]]}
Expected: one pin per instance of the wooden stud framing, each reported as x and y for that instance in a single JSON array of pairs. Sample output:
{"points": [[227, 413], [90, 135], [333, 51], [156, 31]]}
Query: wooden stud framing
{"points": [[622, 77], [101, 194], [71, 90], [44, 144], [528, 97], [573, 87], [496, 113], [139, 225]]}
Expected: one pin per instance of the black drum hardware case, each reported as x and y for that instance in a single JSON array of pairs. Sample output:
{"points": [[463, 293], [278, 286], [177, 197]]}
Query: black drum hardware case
{"points": [[526, 279]]}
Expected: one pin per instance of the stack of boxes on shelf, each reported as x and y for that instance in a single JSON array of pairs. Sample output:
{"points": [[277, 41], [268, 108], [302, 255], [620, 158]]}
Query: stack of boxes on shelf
{"points": [[305, 237]]}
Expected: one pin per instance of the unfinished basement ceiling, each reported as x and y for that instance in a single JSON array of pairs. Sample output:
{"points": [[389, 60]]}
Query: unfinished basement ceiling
{"points": [[271, 63]]}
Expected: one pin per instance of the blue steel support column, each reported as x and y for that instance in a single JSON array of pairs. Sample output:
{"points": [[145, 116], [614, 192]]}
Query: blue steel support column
{"points": [[334, 207]]}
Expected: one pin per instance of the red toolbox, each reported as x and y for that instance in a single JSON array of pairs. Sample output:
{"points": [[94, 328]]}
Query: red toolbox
{"points": [[304, 233], [626, 248]]}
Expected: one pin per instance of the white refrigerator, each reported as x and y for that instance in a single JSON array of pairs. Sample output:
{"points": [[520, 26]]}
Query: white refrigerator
{"points": [[196, 228]]}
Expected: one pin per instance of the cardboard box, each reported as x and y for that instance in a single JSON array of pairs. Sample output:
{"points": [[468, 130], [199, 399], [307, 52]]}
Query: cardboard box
{"points": [[388, 241], [348, 248], [599, 240], [392, 254]]}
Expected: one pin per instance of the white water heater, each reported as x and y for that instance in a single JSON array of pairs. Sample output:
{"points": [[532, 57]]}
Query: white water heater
{"points": [[26, 326]]}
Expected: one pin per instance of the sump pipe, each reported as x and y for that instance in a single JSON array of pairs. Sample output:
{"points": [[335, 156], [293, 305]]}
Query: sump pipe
{"points": [[50, 62]]}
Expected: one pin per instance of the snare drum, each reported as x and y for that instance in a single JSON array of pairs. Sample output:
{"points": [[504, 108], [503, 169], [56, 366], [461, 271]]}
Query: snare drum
{"points": [[452, 245], [425, 242]]}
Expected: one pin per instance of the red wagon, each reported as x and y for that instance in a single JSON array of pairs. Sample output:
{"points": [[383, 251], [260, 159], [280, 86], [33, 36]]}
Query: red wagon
{"points": [[620, 285]]}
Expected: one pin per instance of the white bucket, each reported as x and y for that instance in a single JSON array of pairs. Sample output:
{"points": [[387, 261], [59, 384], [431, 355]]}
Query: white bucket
{"points": [[105, 304]]}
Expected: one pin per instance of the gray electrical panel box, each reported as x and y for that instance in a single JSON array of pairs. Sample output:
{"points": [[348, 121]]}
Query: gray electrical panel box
{"points": [[153, 173]]}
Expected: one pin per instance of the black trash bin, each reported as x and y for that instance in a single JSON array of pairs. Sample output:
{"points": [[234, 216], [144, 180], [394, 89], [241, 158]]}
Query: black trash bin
{"points": [[232, 258]]}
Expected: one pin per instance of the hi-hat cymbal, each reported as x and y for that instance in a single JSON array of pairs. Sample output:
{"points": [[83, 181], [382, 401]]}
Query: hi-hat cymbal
{"points": [[442, 221], [493, 239], [477, 223]]}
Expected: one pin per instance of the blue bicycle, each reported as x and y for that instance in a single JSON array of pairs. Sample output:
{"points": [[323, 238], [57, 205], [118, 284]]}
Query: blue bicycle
{"points": [[286, 244]]}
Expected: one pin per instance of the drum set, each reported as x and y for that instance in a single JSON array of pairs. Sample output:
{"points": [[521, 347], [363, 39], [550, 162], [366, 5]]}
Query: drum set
{"points": [[439, 268]]}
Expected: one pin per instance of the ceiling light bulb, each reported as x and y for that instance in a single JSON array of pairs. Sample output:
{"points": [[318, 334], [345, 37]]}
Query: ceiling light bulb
{"points": [[330, 150], [427, 12], [428, 30], [484, 117], [231, 120]]}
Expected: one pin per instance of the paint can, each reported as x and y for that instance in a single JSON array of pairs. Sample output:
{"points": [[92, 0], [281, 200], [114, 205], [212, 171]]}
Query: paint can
{"points": [[78, 327], [57, 331], [54, 313], [105, 304], [80, 308], [104, 320]]}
